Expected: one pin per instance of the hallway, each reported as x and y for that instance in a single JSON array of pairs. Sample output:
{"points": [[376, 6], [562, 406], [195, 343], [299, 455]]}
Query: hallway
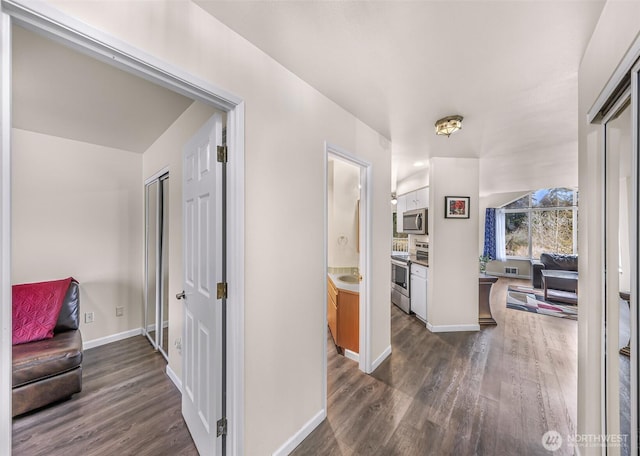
{"points": [[492, 392]]}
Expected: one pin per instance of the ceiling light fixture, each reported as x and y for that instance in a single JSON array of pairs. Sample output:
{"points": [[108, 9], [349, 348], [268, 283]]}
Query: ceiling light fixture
{"points": [[418, 164], [448, 125]]}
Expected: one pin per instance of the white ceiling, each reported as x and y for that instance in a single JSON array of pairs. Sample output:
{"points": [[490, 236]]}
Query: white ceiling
{"points": [[509, 67], [60, 92]]}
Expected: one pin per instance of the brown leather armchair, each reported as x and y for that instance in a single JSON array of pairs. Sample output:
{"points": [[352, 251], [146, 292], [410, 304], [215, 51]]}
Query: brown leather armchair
{"points": [[49, 370]]}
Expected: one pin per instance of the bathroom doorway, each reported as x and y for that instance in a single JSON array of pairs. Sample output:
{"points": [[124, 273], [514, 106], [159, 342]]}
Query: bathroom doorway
{"points": [[349, 261]]}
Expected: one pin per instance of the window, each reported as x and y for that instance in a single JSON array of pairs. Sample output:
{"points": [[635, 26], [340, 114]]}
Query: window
{"points": [[400, 240], [542, 221]]}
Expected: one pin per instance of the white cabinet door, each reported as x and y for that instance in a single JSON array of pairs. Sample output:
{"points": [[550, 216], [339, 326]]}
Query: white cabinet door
{"points": [[422, 198], [400, 208], [419, 291], [411, 201]]}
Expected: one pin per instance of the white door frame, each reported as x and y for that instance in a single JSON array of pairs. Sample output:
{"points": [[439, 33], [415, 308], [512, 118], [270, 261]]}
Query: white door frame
{"points": [[65, 29], [600, 113], [364, 363]]}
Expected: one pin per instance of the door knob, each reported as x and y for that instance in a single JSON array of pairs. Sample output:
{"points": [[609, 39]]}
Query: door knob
{"points": [[180, 295]]}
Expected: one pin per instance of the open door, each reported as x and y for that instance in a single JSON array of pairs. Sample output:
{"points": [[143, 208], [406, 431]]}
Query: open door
{"points": [[203, 361]]}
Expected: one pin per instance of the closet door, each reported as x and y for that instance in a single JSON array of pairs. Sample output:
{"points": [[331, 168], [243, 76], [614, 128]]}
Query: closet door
{"points": [[152, 262], [156, 318], [163, 343]]}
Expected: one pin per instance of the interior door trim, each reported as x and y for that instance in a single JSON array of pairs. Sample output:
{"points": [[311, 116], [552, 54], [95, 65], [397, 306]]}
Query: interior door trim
{"points": [[52, 23]]}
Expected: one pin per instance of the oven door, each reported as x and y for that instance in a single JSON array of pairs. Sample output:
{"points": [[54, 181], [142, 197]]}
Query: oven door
{"points": [[400, 277]]}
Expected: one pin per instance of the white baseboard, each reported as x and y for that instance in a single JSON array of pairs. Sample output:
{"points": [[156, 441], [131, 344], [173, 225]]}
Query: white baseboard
{"points": [[174, 378], [385, 354], [295, 440], [112, 338], [351, 355], [452, 328]]}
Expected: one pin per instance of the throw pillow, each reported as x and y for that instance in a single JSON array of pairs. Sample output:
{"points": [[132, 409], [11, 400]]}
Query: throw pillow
{"points": [[36, 307]]}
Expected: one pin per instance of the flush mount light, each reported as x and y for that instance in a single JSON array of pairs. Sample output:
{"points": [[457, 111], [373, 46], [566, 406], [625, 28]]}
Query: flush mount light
{"points": [[448, 125], [418, 164]]}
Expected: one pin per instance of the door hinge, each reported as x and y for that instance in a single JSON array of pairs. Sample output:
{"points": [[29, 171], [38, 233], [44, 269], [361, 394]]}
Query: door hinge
{"points": [[221, 290], [221, 424], [222, 154]]}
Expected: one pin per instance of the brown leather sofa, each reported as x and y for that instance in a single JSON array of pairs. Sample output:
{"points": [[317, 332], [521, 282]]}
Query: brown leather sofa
{"points": [[49, 370], [552, 261]]}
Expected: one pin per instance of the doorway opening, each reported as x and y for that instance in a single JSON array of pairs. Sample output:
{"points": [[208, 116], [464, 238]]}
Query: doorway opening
{"points": [[347, 260], [79, 36]]}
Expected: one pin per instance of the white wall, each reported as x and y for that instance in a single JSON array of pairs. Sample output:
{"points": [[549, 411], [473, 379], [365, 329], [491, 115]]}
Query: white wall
{"points": [[343, 194], [287, 122], [617, 28], [165, 152], [452, 295], [76, 212], [413, 182]]}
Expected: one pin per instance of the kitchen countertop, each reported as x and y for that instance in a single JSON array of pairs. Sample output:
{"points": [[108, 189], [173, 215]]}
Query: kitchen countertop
{"points": [[345, 286], [414, 259]]}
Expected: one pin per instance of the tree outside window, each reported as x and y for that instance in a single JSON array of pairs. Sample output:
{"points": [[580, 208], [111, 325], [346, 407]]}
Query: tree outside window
{"points": [[542, 221]]}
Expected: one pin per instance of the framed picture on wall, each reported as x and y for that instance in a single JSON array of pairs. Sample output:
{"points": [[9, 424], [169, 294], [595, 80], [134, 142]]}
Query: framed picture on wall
{"points": [[456, 207]]}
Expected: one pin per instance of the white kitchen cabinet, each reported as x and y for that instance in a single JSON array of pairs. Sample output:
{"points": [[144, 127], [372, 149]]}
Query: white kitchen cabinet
{"points": [[418, 199], [419, 291], [401, 206]]}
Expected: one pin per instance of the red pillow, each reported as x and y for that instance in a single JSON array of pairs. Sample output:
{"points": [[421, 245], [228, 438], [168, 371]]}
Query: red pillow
{"points": [[36, 307]]}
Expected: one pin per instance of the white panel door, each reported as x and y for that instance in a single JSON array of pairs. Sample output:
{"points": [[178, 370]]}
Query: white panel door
{"points": [[202, 239]]}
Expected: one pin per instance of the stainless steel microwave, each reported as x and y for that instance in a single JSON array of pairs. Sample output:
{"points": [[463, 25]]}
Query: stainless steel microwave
{"points": [[415, 222]]}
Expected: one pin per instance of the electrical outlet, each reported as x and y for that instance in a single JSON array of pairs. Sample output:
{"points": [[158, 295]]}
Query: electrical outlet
{"points": [[88, 317], [178, 343], [119, 311]]}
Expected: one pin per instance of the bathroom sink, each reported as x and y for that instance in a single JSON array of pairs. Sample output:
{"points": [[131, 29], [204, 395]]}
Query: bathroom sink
{"points": [[349, 278]]}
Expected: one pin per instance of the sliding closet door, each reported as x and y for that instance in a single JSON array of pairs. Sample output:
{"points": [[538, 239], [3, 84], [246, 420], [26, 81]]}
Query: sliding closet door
{"points": [[152, 261], [157, 263], [618, 234], [164, 268], [621, 198]]}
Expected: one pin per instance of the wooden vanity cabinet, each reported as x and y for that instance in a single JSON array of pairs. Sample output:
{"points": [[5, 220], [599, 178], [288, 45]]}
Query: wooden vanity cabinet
{"points": [[332, 310], [343, 317]]}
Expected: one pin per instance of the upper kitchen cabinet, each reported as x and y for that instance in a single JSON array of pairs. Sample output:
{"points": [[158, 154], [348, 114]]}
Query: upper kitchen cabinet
{"points": [[401, 206], [418, 199]]}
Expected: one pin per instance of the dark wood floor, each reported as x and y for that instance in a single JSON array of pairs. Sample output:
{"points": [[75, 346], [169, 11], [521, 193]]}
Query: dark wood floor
{"points": [[128, 406], [493, 392]]}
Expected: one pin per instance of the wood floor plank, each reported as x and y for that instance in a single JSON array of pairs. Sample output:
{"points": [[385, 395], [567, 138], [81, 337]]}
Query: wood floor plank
{"points": [[128, 406], [492, 392]]}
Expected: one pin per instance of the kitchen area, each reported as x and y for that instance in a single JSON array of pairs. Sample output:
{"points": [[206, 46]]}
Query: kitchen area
{"points": [[410, 259]]}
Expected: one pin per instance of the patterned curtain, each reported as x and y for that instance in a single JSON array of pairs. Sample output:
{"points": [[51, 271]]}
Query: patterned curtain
{"points": [[490, 233]]}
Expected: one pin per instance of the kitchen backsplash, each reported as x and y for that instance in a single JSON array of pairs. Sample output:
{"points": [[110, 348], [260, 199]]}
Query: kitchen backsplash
{"points": [[348, 270], [419, 238]]}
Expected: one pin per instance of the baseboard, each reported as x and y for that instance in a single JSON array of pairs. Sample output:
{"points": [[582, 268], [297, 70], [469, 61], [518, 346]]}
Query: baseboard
{"points": [[385, 354], [112, 338], [452, 328], [295, 440], [351, 355], [174, 378]]}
